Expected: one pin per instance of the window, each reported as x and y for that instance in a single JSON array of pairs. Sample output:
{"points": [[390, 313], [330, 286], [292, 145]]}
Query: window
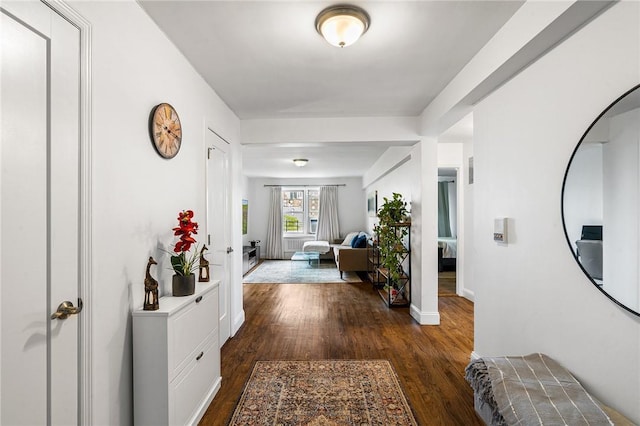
{"points": [[300, 210]]}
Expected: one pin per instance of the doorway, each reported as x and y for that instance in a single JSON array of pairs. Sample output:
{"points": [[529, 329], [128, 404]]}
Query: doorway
{"points": [[447, 231]]}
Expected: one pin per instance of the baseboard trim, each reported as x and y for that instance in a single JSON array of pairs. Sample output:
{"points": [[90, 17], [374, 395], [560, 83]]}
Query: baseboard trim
{"points": [[237, 323], [424, 318], [468, 294]]}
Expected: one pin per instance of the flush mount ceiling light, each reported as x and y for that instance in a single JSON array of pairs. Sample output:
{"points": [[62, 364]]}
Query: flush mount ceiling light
{"points": [[342, 25], [300, 162]]}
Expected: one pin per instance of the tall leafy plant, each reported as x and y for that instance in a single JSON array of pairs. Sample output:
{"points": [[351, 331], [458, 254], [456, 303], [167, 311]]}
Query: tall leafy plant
{"points": [[392, 213]]}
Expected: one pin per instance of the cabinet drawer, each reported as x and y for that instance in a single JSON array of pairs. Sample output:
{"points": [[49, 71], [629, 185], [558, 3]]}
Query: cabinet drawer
{"points": [[190, 389], [190, 327]]}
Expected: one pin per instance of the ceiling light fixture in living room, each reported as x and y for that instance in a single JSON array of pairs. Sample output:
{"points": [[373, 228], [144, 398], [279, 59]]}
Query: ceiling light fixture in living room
{"points": [[342, 25], [300, 162]]}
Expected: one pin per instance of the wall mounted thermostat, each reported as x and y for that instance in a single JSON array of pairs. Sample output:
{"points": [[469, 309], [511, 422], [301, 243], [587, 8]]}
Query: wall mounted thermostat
{"points": [[500, 230]]}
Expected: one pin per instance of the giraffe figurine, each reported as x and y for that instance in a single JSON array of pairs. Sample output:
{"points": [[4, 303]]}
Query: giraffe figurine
{"points": [[150, 289], [204, 266]]}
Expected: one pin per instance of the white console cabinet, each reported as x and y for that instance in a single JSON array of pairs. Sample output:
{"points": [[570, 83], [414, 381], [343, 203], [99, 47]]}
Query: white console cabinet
{"points": [[176, 358]]}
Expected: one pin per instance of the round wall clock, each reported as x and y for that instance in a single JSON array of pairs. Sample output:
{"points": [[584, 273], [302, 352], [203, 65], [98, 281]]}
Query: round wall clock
{"points": [[165, 130]]}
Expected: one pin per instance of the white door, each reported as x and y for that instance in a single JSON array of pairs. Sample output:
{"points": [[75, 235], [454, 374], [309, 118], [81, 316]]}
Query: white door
{"points": [[218, 223], [39, 215]]}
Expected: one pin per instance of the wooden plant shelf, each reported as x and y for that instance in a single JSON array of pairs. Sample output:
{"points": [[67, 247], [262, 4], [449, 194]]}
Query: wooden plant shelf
{"points": [[394, 294]]}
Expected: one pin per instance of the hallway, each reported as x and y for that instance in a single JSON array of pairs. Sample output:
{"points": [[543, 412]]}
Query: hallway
{"points": [[350, 321]]}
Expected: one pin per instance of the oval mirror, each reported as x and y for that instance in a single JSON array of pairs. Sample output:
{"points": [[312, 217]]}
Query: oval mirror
{"points": [[600, 202]]}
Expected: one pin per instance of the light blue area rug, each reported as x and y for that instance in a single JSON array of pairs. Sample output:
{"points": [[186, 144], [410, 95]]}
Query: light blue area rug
{"points": [[298, 272]]}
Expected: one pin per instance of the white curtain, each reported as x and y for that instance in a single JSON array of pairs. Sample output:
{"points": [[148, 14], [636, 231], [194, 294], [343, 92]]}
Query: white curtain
{"points": [[328, 227], [273, 244]]}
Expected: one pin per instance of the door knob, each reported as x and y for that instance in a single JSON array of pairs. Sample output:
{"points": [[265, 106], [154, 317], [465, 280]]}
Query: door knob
{"points": [[66, 308], [229, 250]]}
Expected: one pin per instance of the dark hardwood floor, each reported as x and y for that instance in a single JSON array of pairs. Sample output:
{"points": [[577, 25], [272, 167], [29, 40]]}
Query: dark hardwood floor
{"points": [[350, 321]]}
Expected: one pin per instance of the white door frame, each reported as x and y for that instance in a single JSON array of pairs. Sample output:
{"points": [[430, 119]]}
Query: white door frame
{"points": [[460, 291], [460, 235], [85, 383]]}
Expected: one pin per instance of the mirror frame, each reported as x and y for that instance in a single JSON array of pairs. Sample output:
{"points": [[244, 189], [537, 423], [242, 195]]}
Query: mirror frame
{"points": [[564, 182]]}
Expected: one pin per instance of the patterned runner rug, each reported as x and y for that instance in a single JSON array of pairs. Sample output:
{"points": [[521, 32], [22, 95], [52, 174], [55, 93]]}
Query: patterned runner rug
{"points": [[327, 393]]}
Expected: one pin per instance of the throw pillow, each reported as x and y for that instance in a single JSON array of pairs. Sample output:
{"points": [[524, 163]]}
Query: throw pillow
{"points": [[349, 238], [360, 242]]}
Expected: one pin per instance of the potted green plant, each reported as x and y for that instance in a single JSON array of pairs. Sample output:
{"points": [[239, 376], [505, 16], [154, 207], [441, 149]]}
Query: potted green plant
{"points": [[392, 215], [183, 262]]}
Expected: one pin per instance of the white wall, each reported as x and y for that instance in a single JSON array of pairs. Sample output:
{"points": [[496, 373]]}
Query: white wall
{"points": [[352, 204], [531, 296], [450, 155], [392, 172], [399, 180], [136, 195]]}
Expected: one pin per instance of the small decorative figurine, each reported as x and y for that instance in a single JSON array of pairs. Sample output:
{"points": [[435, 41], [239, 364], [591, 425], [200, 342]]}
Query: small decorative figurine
{"points": [[150, 289], [204, 266]]}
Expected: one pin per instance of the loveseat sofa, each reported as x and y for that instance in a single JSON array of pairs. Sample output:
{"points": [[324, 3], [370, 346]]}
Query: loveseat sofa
{"points": [[348, 258]]}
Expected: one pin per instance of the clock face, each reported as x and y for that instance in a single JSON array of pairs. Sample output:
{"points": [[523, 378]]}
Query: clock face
{"points": [[165, 129]]}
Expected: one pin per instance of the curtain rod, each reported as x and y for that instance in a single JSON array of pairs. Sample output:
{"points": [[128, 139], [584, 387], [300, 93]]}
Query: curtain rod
{"points": [[289, 185]]}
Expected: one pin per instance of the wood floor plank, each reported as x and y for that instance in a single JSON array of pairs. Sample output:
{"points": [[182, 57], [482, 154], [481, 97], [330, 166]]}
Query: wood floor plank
{"points": [[350, 321]]}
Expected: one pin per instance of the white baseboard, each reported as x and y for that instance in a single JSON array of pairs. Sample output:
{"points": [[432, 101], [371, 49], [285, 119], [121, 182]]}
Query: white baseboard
{"points": [[425, 318], [237, 323], [468, 294]]}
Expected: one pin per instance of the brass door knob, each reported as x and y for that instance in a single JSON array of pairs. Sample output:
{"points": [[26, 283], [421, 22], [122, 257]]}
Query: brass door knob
{"points": [[66, 308]]}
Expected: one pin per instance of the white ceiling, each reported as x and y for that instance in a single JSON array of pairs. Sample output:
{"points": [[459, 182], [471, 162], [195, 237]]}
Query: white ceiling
{"points": [[266, 60]]}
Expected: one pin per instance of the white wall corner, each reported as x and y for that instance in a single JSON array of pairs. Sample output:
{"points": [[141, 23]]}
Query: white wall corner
{"points": [[424, 318]]}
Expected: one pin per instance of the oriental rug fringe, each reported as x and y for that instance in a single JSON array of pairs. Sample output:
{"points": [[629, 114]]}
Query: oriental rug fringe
{"points": [[328, 392]]}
